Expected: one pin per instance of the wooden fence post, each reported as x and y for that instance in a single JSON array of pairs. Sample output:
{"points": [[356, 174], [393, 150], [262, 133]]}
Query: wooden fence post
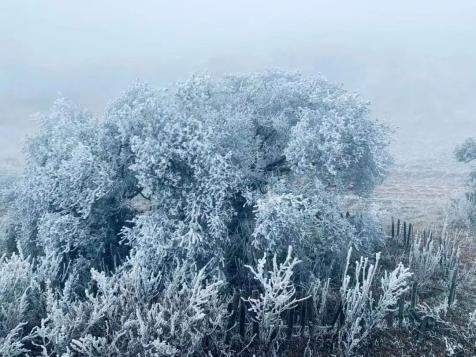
{"points": [[310, 314], [452, 286], [401, 308], [414, 295], [393, 227], [303, 314], [290, 323], [405, 234]]}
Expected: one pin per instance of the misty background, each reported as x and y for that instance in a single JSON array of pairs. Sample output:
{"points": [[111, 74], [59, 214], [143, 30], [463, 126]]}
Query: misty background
{"points": [[415, 61]]}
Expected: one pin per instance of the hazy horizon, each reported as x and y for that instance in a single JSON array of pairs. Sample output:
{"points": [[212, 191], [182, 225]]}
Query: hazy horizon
{"points": [[413, 61]]}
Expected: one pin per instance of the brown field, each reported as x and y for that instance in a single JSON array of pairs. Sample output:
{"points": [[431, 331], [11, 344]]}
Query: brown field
{"points": [[421, 191]]}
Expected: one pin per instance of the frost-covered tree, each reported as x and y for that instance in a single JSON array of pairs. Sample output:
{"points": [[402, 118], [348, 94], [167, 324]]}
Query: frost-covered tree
{"points": [[207, 157], [123, 216], [270, 152]]}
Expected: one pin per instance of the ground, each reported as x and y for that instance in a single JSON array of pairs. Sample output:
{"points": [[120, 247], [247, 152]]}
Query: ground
{"points": [[420, 190]]}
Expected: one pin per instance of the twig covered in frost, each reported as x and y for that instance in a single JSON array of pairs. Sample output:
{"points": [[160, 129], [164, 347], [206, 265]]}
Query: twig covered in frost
{"points": [[361, 313], [277, 296]]}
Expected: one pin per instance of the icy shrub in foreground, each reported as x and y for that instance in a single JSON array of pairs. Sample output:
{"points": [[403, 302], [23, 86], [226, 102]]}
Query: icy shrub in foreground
{"points": [[361, 312], [277, 297], [137, 313]]}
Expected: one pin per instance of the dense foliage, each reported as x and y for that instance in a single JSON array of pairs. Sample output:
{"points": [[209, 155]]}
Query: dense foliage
{"points": [[132, 235]]}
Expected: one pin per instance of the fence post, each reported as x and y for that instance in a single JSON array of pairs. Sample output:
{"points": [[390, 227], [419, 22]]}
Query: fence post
{"points": [[405, 234], [310, 314], [389, 319], [398, 227], [303, 314], [255, 324], [393, 227], [401, 308], [452, 287], [290, 323], [414, 294]]}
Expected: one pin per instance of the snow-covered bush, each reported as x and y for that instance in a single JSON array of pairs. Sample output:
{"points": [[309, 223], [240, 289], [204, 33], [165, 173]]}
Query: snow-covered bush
{"points": [[136, 312], [319, 291], [472, 322], [361, 311], [18, 293], [424, 260], [277, 295], [467, 153], [369, 229]]}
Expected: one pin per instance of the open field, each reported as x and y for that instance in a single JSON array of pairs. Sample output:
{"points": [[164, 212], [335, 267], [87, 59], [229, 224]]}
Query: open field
{"points": [[420, 191]]}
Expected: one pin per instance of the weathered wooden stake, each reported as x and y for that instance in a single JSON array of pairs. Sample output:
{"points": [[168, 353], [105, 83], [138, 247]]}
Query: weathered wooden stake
{"points": [[452, 287], [290, 323], [389, 319], [414, 294], [401, 308], [393, 228], [405, 233], [311, 317], [303, 315]]}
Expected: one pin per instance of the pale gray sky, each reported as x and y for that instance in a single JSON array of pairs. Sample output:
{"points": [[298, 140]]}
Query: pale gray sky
{"points": [[414, 60]]}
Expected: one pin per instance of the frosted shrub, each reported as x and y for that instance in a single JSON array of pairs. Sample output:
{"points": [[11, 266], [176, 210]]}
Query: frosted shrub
{"points": [[369, 227], [361, 312], [305, 221], [17, 304], [138, 313], [277, 295], [71, 201], [320, 292], [467, 153], [472, 322], [424, 260]]}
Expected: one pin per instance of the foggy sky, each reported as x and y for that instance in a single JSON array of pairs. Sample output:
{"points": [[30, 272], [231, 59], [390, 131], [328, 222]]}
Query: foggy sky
{"points": [[414, 60]]}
